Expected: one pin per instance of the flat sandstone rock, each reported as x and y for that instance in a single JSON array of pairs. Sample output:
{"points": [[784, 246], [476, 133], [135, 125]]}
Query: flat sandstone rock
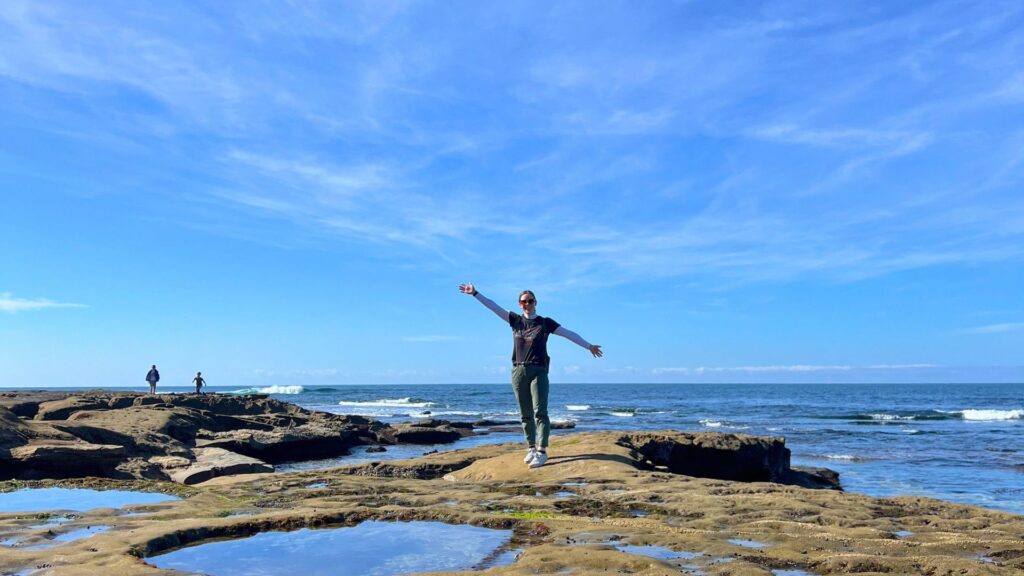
{"points": [[213, 462], [595, 508]]}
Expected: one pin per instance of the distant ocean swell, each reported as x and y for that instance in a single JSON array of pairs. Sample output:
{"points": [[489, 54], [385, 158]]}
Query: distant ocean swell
{"points": [[385, 402], [981, 415], [271, 390]]}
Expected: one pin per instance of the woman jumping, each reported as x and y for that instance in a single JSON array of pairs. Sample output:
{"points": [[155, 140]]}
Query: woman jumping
{"points": [[530, 362]]}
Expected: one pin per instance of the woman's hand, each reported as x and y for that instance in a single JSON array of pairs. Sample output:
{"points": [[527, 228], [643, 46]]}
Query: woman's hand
{"points": [[595, 349], [467, 289]]}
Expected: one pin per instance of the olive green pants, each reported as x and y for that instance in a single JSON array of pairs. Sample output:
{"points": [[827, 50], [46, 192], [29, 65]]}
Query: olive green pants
{"points": [[530, 383]]}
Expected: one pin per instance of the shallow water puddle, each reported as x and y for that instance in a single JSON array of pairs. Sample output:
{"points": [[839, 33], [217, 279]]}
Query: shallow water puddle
{"points": [[657, 552], [134, 514], [51, 541], [372, 548], [747, 543], [901, 534], [779, 572], [70, 536], [563, 494], [75, 499]]}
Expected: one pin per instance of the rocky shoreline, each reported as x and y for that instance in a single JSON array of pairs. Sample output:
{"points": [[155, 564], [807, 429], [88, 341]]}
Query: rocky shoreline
{"points": [[705, 493], [192, 438], [186, 438]]}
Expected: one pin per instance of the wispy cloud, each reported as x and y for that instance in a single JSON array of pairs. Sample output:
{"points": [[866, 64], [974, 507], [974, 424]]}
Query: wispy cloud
{"points": [[642, 156], [12, 305], [849, 137], [996, 328]]}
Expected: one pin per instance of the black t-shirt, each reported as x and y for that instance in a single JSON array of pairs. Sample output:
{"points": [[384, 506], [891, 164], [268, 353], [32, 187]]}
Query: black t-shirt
{"points": [[530, 338]]}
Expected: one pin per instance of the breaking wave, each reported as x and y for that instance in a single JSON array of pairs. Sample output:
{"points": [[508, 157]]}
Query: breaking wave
{"points": [[271, 390], [992, 414], [709, 423], [924, 415], [393, 402]]}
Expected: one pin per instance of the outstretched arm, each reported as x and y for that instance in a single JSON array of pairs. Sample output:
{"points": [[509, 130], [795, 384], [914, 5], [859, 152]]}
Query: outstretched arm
{"points": [[498, 310], [578, 340]]}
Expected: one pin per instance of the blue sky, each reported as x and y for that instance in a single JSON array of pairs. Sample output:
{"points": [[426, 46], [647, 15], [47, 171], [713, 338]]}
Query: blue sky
{"points": [[289, 193]]}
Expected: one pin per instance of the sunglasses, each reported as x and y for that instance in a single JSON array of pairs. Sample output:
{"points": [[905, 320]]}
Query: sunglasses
{"points": [[529, 301]]}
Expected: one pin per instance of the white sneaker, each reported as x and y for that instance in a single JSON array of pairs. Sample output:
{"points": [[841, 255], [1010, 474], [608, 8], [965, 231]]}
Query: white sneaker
{"points": [[530, 455], [539, 460]]}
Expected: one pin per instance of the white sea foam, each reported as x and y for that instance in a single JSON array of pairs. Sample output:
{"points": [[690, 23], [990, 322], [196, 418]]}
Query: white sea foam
{"points": [[846, 457], [399, 402], [271, 390], [367, 413], [992, 414], [432, 414], [717, 424], [578, 408], [623, 414], [889, 417]]}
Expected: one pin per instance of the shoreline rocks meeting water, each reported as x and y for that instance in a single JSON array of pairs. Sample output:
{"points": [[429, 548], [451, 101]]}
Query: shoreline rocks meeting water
{"points": [[191, 438], [664, 502]]}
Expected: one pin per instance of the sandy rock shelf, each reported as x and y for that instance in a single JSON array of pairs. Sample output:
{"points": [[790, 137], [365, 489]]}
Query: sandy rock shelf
{"points": [[598, 493]]}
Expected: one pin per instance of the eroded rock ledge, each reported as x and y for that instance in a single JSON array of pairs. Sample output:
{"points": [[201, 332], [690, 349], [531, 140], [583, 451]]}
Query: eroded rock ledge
{"points": [[185, 437], [192, 438]]}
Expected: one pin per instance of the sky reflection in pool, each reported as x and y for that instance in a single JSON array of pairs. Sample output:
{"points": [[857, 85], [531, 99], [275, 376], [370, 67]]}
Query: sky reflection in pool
{"points": [[372, 548], [70, 536], [747, 543], [658, 552], [75, 499]]}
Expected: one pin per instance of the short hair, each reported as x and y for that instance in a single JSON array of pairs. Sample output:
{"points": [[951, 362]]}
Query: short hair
{"points": [[530, 292]]}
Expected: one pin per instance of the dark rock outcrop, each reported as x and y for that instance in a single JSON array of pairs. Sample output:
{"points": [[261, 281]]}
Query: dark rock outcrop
{"points": [[426, 432], [303, 442], [726, 457]]}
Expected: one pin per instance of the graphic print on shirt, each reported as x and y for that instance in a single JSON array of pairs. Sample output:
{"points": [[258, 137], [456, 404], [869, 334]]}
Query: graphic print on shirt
{"points": [[530, 337], [528, 333]]}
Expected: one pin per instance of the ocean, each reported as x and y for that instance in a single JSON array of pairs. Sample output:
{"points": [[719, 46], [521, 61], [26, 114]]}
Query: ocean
{"points": [[957, 442]]}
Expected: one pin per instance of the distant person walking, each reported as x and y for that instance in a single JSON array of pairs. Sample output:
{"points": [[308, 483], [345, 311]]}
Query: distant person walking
{"points": [[199, 382], [530, 362], [153, 377]]}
